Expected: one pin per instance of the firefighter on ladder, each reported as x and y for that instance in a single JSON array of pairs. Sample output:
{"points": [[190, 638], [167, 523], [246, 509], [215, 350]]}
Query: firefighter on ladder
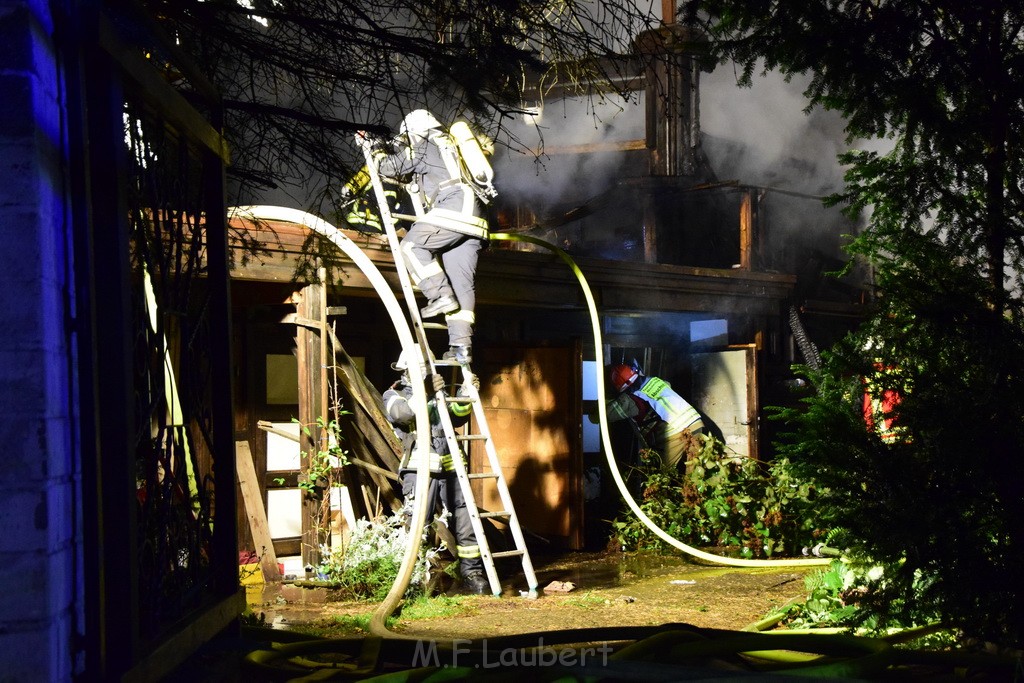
{"points": [[444, 485], [361, 212], [441, 248]]}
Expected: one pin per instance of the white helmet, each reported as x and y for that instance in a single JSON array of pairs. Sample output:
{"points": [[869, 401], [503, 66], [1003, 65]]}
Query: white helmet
{"points": [[417, 123], [402, 363]]}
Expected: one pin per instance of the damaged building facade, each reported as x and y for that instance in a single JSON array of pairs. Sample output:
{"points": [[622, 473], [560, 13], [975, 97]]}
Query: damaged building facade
{"points": [[714, 284]]}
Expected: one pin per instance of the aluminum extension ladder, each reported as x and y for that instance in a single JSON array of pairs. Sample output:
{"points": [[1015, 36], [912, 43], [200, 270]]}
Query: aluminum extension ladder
{"points": [[457, 442]]}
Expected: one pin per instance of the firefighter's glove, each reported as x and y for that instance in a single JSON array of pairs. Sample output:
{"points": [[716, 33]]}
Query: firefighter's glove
{"points": [[436, 382], [474, 382], [381, 147]]}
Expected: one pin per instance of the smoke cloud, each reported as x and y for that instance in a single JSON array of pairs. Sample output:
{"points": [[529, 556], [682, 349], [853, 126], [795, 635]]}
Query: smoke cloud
{"points": [[550, 169], [759, 135]]}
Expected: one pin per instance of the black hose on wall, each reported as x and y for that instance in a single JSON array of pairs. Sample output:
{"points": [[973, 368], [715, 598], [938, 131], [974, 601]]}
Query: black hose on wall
{"points": [[807, 348]]}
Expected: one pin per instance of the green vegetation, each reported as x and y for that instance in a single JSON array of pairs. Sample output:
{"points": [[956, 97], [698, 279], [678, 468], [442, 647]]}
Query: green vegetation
{"points": [[352, 622], [324, 463], [760, 510], [427, 607], [367, 566], [938, 505], [586, 601], [833, 602], [419, 607]]}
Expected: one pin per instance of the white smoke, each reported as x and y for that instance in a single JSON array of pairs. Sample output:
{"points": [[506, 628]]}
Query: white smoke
{"points": [[761, 135], [552, 169]]}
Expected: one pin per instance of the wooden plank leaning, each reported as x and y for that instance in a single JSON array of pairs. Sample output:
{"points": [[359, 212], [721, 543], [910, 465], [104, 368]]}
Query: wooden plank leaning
{"points": [[255, 512]]}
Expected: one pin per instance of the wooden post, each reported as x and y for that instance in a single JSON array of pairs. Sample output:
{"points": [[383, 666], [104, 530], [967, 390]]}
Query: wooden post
{"points": [[747, 232], [668, 11], [307, 347], [650, 228]]}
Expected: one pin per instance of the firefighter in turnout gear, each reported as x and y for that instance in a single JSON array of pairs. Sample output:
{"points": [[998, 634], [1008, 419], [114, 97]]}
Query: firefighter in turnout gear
{"points": [[442, 247], [444, 485], [362, 213], [664, 420]]}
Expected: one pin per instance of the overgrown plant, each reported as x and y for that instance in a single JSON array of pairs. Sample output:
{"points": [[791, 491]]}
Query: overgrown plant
{"points": [[322, 472], [835, 600], [938, 506], [366, 567], [758, 509]]}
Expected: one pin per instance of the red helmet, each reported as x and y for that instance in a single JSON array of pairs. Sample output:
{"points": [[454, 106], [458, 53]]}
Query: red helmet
{"points": [[623, 377]]}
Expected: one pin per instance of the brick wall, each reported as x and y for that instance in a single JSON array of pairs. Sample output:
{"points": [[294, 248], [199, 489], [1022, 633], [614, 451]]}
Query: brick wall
{"points": [[39, 573]]}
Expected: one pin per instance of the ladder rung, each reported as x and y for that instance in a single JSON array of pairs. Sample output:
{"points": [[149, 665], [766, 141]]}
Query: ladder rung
{"points": [[492, 515], [434, 326], [452, 363], [404, 217], [470, 437], [482, 475], [458, 399], [506, 553]]}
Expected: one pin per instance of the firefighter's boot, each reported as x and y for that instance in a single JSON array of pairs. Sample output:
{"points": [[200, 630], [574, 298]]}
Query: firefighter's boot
{"points": [[462, 354], [443, 304], [476, 583]]}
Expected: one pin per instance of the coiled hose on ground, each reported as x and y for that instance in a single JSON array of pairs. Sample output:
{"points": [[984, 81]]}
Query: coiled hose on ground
{"points": [[669, 652]]}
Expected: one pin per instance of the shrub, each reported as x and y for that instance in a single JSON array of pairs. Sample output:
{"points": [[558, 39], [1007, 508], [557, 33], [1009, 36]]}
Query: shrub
{"points": [[367, 566], [758, 508]]}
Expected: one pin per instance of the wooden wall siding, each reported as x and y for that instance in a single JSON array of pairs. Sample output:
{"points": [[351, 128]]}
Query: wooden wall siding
{"points": [[525, 278], [531, 399]]}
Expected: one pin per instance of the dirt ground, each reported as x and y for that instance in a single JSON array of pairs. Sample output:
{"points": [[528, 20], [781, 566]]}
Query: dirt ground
{"points": [[607, 590], [618, 603]]}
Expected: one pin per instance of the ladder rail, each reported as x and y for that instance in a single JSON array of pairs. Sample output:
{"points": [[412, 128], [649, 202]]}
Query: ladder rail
{"points": [[460, 460], [388, 221], [494, 463]]}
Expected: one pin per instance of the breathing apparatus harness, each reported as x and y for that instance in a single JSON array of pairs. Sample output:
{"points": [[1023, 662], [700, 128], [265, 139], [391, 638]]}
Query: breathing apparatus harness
{"points": [[465, 160]]}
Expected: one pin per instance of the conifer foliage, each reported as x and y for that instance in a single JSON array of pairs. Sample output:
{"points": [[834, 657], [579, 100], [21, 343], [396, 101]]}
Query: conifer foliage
{"points": [[937, 501]]}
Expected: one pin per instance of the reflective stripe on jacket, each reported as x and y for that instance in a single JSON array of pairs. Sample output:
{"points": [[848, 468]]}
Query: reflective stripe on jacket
{"points": [[670, 406], [450, 203], [402, 418]]}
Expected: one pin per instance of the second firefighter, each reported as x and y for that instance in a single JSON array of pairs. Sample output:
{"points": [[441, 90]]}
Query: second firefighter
{"points": [[444, 488]]}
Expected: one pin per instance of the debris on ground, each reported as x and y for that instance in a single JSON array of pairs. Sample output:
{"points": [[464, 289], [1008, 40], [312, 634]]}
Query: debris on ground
{"points": [[560, 587]]}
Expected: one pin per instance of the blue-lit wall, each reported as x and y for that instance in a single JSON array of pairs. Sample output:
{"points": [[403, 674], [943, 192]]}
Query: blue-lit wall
{"points": [[39, 574]]}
